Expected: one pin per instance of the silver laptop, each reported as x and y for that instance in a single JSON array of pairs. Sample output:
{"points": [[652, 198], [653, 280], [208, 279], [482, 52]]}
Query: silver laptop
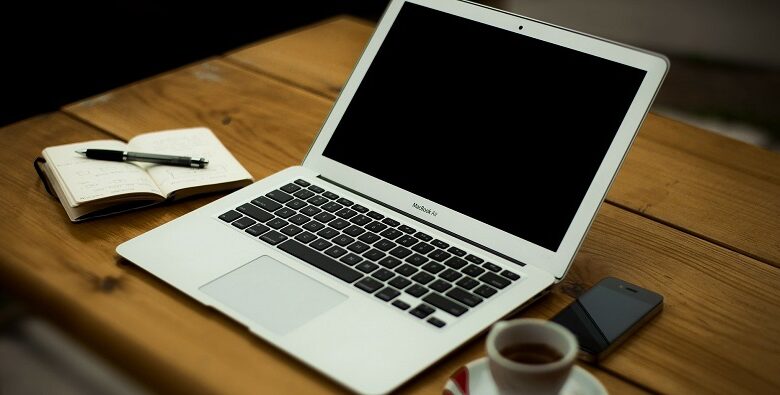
{"points": [[451, 185]]}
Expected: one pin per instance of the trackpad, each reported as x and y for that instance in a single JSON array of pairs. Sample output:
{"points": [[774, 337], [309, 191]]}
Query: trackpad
{"points": [[273, 295]]}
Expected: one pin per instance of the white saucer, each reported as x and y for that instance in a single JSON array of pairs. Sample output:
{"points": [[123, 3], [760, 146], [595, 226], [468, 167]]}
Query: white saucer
{"points": [[475, 379]]}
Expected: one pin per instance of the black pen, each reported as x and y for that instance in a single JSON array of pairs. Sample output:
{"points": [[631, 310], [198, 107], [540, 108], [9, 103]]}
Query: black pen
{"points": [[125, 156]]}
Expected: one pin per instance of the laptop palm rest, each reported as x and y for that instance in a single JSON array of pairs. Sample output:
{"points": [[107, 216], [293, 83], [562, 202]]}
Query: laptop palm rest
{"points": [[273, 295]]}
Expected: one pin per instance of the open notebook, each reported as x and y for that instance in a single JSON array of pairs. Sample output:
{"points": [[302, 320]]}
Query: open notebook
{"points": [[89, 188]]}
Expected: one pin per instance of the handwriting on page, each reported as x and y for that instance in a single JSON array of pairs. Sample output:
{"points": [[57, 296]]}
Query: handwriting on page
{"points": [[89, 179], [195, 142]]}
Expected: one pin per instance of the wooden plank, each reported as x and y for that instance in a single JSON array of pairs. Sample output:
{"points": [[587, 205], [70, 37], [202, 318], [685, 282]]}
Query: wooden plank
{"points": [[709, 185], [714, 295]]}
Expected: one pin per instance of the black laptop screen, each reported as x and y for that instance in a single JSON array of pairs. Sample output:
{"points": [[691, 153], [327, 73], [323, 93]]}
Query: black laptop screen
{"points": [[504, 128]]}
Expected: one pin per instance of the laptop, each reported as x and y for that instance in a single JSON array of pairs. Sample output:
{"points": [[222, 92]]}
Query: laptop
{"points": [[450, 186]]}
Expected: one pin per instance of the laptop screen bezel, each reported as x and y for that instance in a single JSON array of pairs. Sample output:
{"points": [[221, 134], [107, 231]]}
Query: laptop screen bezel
{"points": [[481, 234]]}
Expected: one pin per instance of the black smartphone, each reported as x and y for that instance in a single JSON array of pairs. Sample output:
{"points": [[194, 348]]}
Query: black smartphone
{"points": [[607, 314]]}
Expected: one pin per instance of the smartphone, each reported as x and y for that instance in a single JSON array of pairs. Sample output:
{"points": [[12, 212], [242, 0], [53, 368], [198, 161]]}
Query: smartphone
{"points": [[607, 314]]}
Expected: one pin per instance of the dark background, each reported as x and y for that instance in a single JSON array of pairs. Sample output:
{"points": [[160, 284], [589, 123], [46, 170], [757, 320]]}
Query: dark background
{"points": [[55, 54]]}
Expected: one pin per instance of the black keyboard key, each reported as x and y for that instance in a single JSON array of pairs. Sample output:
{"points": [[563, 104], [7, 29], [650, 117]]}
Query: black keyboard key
{"points": [[407, 229], [369, 284], [484, 291], [473, 270], [359, 208], [316, 189], [422, 278], [401, 304], [384, 245], [331, 207], [290, 188], [244, 223], [406, 270], [358, 247], [440, 285], [433, 267], [406, 241], [455, 251], [273, 237], [344, 202], [389, 262], [346, 213], [305, 237], [376, 226], [422, 311], [320, 261], [387, 294], [416, 259], [368, 238], [436, 322], [439, 255], [389, 221], [285, 212], [296, 204], [400, 252], [330, 195], [311, 211], [338, 223], [327, 233], [354, 230], [495, 280], [259, 214], [375, 215], [510, 275], [298, 219], [313, 226], [467, 282], [373, 254], [335, 251], [291, 230], [366, 267], [474, 259], [266, 203], [351, 259], [302, 183], [444, 304], [324, 217], [423, 247], [455, 263], [450, 275], [465, 297], [492, 267], [416, 290], [277, 223], [279, 196], [383, 274], [440, 244], [343, 240], [360, 219], [400, 282], [303, 194], [320, 244], [257, 230], [316, 200], [422, 236]]}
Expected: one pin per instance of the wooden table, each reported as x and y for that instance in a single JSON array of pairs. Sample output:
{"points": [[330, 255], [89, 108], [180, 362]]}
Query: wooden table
{"points": [[692, 215]]}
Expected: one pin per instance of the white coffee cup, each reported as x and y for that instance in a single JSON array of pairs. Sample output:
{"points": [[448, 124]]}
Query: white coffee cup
{"points": [[539, 378]]}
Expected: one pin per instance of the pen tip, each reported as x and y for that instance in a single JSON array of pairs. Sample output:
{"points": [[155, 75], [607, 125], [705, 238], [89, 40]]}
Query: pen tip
{"points": [[81, 151]]}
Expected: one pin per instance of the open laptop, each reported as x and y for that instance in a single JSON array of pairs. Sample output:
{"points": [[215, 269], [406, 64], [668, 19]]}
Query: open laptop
{"points": [[451, 185]]}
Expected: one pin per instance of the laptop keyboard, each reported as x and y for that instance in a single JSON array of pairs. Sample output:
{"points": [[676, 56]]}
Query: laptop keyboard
{"points": [[377, 254]]}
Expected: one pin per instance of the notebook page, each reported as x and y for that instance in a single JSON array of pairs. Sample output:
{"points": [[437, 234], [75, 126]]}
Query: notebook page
{"points": [[193, 142], [89, 179]]}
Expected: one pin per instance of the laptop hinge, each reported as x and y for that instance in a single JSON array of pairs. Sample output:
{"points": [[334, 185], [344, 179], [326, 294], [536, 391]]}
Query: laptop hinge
{"points": [[440, 229]]}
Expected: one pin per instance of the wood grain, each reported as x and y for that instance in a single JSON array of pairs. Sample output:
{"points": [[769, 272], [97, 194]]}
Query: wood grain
{"points": [[714, 296], [709, 185]]}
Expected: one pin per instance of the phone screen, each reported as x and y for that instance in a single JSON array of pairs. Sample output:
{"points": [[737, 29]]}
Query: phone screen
{"points": [[603, 314]]}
